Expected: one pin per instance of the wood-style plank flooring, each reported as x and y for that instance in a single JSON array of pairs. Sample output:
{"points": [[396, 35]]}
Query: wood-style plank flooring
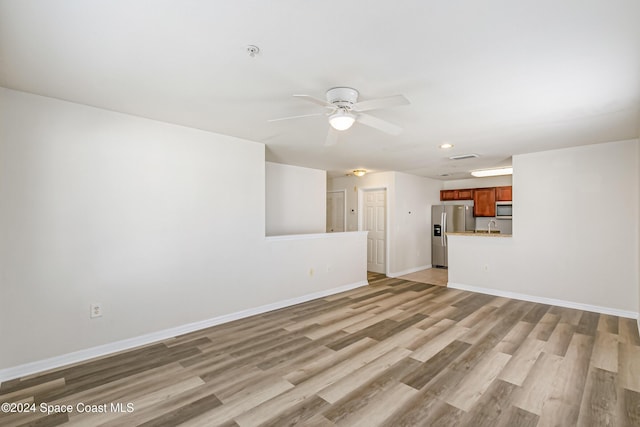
{"points": [[395, 353], [432, 276]]}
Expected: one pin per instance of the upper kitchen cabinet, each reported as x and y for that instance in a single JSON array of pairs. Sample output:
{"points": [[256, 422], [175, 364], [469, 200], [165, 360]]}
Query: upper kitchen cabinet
{"points": [[484, 202], [448, 194], [463, 194], [503, 194], [466, 194]]}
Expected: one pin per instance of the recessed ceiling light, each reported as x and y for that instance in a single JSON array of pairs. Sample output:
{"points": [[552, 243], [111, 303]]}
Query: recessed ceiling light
{"points": [[446, 146], [493, 172]]}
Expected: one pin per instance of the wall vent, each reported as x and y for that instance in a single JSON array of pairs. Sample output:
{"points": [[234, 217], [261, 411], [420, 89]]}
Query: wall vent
{"points": [[464, 156]]}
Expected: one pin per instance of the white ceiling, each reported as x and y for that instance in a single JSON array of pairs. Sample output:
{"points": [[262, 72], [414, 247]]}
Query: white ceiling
{"points": [[495, 77]]}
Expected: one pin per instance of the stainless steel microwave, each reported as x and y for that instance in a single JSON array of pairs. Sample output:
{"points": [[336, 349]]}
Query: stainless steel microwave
{"points": [[503, 210]]}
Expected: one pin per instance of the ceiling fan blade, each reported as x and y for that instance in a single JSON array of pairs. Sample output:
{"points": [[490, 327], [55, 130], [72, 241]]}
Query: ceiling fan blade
{"points": [[379, 124], [315, 100], [387, 102], [332, 137], [295, 117]]}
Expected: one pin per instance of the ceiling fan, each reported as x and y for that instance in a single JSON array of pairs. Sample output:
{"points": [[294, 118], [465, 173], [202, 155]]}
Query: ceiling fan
{"points": [[343, 110]]}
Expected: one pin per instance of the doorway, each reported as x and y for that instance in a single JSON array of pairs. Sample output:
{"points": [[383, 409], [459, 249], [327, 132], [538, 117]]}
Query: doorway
{"points": [[374, 220], [336, 211]]}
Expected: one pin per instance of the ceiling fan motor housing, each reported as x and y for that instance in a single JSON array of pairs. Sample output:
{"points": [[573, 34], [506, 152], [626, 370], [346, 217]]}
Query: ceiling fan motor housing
{"points": [[343, 97]]}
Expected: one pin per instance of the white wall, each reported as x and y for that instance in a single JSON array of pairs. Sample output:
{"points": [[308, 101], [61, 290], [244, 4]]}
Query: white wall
{"points": [[293, 205], [575, 232], [141, 216], [409, 242], [413, 200]]}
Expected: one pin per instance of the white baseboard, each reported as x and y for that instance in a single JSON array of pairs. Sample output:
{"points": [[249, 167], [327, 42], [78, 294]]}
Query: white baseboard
{"points": [[548, 301], [409, 271], [129, 343]]}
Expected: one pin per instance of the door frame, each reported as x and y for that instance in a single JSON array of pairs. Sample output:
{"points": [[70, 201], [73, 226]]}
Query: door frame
{"points": [[387, 220], [344, 213]]}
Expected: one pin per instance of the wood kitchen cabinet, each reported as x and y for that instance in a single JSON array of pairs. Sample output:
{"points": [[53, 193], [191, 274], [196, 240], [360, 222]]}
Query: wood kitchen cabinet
{"points": [[463, 194], [448, 194], [484, 202], [503, 194]]}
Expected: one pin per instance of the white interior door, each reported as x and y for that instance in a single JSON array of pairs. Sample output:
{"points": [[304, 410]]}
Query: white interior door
{"points": [[374, 221], [335, 211]]}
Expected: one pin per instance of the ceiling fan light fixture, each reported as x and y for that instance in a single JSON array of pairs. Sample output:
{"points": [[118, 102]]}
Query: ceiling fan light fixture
{"points": [[341, 120], [359, 172]]}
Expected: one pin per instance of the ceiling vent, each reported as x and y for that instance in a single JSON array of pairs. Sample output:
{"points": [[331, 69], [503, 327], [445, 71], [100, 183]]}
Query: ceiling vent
{"points": [[464, 156]]}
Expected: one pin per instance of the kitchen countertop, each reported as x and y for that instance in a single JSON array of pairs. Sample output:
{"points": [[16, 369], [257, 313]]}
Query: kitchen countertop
{"points": [[478, 234]]}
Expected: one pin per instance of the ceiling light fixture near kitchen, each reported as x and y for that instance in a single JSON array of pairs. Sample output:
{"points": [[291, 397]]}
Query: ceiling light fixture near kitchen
{"points": [[492, 172], [342, 119], [359, 172], [446, 146]]}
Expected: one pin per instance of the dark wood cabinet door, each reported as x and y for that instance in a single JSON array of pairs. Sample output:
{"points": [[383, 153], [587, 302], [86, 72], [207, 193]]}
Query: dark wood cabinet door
{"points": [[503, 194], [448, 194], [484, 202], [465, 194]]}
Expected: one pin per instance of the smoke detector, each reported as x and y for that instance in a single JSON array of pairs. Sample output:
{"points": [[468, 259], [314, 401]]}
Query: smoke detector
{"points": [[252, 50]]}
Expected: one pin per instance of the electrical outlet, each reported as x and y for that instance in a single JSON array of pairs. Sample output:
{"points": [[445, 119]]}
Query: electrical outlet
{"points": [[95, 310]]}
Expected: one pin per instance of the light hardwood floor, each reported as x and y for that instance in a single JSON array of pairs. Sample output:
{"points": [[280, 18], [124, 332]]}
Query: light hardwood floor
{"points": [[395, 353], [432, 276]]}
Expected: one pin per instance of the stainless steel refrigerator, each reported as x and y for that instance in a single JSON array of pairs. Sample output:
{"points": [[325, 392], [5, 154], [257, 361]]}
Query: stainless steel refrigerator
{"points": [[448, 219]]}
